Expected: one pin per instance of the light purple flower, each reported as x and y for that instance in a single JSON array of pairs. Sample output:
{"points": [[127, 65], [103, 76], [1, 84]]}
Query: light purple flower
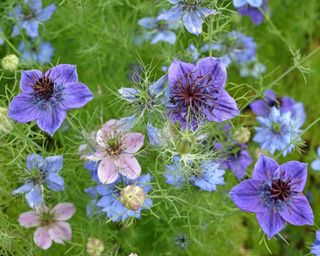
{"points": [[47, 96], [274, 193], [196, 93], [30, 15], [192, 15], [253, 12], [41, 54], [51, 224]]}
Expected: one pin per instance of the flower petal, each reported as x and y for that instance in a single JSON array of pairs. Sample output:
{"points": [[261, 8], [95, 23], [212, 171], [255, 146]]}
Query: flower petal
{"points": [[76, 95], [60, 231], [29, 219], [297, 172], [28, 79], [34, 196], [172, 14], [246, 196], [315, 165], [63, 211], [32, 28], [53, 164], [63, 73], [46, 13], [271, 222], [192, 21], [265, 168], [298, 211], [107, 172], [148, 22], [41, 238], [133, 142], [178, 70], [255, 3], [51, 120], [34, 161], [23, 189], [128, 166], [239, 3], [55, 182]]}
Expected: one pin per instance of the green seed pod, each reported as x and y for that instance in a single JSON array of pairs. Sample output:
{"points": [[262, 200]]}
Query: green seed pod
{"points": [[10, 62], [132, 197]]}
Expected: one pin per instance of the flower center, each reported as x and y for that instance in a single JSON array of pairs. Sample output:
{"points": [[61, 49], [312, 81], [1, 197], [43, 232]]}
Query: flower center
{"points": [[280, 189], [276, 127], [44, 87], [115, 145], [47, 218]]}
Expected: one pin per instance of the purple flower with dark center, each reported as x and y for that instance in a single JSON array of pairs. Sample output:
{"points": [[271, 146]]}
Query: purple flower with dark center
{"points": [[254, 13], [274, 193], [30, 15], [262, 107], [196, 93], [41, 53], [47, 96]]}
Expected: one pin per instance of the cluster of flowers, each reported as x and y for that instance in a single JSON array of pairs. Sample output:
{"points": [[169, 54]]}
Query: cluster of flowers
{"points": [[194, 136]]}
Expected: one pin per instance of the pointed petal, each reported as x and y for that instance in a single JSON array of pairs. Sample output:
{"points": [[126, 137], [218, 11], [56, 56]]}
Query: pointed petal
{"points": [[247, 197], [46, 13], [51, 120], [177, 70], [60, 231], [107, 172], [63, 211], [315, 165], [32, 28], [28, 79], [265, 168], [41, 238], [34, 197], [29, 219], [76, 95], [55, 182], [192, 21], [128, 166], [133, 142], [172, 14], [34, 161], [255, 3], [271, 222], [297, 172], [239, 3], [54, 164], [63, 73], [23, 189]]}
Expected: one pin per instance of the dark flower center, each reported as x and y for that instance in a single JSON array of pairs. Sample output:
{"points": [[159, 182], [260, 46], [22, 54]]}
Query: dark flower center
{"points": [[280, 189], [47, 218], [44, 87]]}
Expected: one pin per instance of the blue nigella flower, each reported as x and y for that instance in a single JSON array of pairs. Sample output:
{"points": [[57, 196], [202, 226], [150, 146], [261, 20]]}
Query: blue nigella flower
{"points": [[41, 54], [157, 30], [207, 177], [46, 172], [118, 205], [315, 165], [192, 15], [315, 249], [250, 9], [276, 132], [30, 15], [154, 135]]}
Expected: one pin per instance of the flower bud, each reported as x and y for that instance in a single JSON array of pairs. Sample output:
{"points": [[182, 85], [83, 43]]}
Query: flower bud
{"points": [[10, 62], [6, 124], [95, 247], [132, 197], [184, 145], [242, 135]]}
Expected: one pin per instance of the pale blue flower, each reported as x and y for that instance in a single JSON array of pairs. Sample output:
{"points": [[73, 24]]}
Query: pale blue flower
{"points": [[41, 54], [253, 3], [154, 135], [315, 165]]}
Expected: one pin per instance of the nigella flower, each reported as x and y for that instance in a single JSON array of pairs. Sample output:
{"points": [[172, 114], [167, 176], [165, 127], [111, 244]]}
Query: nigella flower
{"points": [[196, 93], [116, 148], [206, 177], [51, 224], [158, 30], [315, 249], [315, 165], [252, 10], [191, 13], [274, 193], [41, 54], [42, 171], [277, 132], [262, 107], [47, 96], [30, 15], [125, 198]]}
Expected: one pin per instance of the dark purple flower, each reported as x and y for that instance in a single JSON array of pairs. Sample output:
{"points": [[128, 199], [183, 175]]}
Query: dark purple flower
{"points": [[253, 12], [274, 193], [47, 96], [196, 93]]}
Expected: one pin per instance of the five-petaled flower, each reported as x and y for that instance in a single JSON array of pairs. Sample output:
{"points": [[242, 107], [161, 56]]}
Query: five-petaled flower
{"points": [[116, 147], [196, 93], [47, 96], [274, 193], [42, 171], [30, 15], [51, 224]]}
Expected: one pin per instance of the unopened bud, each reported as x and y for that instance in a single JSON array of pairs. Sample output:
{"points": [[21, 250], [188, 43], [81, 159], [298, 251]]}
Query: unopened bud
{"points": [[95, 247], [242, 135], [132, 197], [10, 62]]}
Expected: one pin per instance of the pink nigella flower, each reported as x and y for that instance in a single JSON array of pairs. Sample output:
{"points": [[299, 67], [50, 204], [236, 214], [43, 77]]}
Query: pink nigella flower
{"points": [[116, 147], [51, 224]]}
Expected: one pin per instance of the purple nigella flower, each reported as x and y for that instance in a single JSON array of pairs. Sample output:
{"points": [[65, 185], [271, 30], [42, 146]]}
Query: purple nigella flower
{"points": [[254, 12], [196, 93], [30, 15], [262, 107], [41, 54], [43, 171], [274, 193], [46, 97], [192, 14], [315, 249], [158, 31], [125, 198]]}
